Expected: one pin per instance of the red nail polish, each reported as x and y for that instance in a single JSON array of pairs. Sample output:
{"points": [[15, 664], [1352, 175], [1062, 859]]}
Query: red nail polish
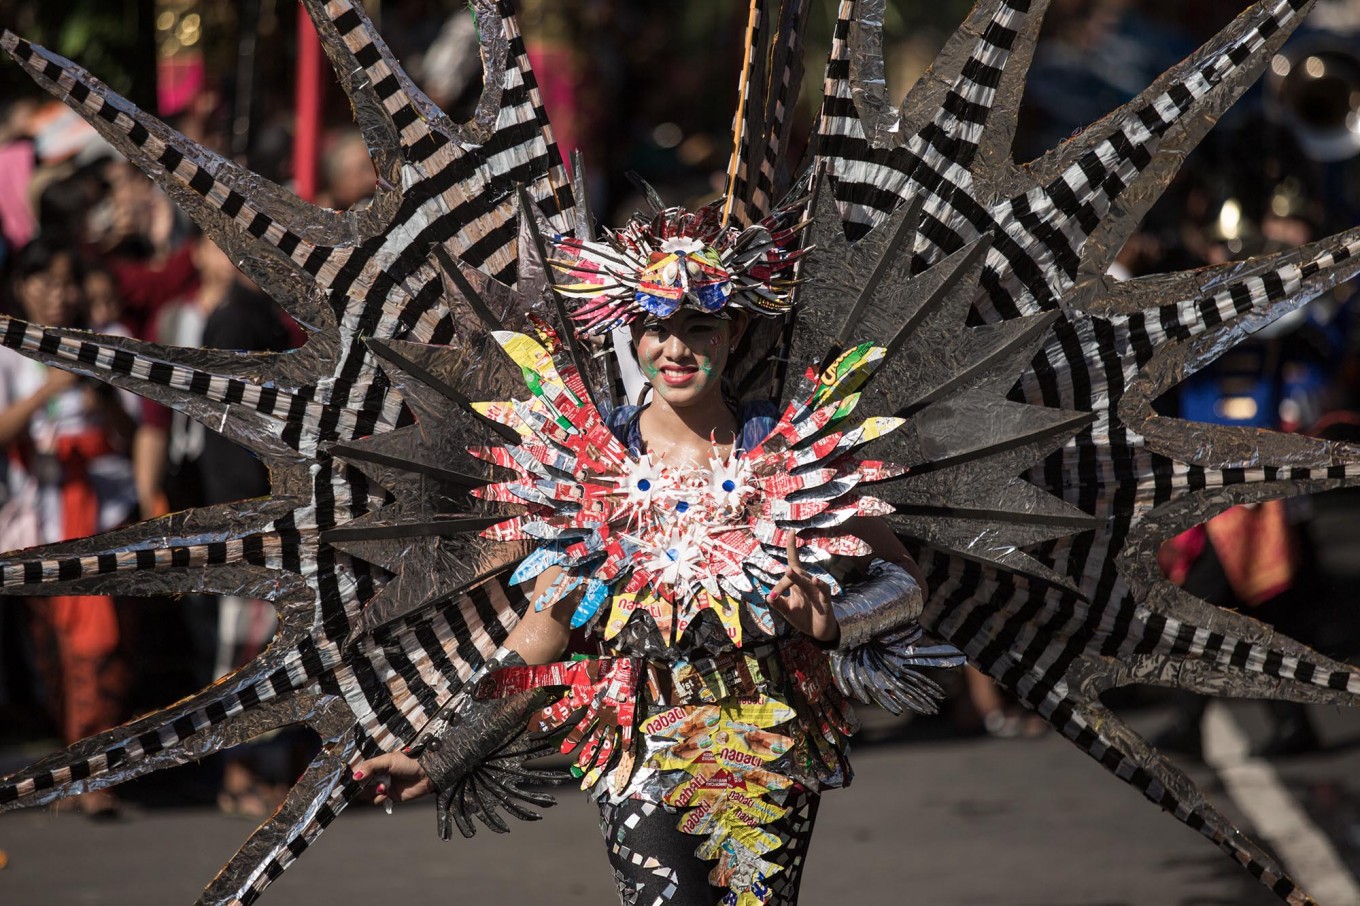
{"points": [[382, 789], [358, 775]]}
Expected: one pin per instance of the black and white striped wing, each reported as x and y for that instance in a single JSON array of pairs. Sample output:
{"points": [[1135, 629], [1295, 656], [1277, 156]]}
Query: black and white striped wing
{"points": [[396, 301], [1048, 581]]}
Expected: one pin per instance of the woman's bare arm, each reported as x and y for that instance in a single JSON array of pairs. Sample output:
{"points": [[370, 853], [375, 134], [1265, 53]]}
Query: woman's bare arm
{"points": [[542, 635], [879, 535]]}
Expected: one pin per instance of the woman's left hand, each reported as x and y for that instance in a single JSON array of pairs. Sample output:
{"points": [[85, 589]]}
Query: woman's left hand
{"points": [[393, 776], [804, 600]]}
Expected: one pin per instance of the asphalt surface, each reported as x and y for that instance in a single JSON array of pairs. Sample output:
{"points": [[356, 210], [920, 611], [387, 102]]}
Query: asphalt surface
{"points": [[972, 821]]}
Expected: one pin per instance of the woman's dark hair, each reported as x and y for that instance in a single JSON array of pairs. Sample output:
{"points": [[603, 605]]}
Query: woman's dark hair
{"points": [[38, 256], [62, 207]]}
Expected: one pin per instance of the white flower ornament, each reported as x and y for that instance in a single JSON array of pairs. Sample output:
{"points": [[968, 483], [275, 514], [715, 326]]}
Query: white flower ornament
{"points": [[692, 539]]}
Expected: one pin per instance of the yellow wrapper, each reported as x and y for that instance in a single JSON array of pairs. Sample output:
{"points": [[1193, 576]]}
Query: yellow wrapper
{"points": [[705, 778], [622, 610], [877, 426], [530, 355], [728, 807], [504, 412], [731, 744]]}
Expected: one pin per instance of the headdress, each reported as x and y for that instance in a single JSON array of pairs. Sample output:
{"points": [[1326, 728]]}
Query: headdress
{"points": [[676, 258]]}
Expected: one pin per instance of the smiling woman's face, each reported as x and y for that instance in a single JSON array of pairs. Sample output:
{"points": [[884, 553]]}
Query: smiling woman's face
{"points": [[684, 355], [51, 297]]}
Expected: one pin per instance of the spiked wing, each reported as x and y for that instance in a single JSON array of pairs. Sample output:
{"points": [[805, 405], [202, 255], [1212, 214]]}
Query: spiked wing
{"points": [[1050, 583], [368, 646]]}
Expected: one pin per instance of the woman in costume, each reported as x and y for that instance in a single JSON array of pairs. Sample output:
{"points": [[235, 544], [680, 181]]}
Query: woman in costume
{"points": [[740, 725], [1019, 381]]}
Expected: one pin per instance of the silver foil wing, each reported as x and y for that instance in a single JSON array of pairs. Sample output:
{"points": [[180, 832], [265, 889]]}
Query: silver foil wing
{"points": [[1037, 526], [385, 602]]}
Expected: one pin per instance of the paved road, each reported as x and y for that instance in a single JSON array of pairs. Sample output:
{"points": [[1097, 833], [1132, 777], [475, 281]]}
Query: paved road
{"points": [[976, 821]]}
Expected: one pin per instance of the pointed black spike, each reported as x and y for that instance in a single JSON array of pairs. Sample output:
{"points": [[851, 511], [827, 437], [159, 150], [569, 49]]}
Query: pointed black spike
{"points": [[902, 226], [430, 365], [648, 192], [451, 272]]}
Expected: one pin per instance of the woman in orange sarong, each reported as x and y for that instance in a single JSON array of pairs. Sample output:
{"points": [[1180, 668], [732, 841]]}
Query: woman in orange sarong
{"points": [[68, 477]]}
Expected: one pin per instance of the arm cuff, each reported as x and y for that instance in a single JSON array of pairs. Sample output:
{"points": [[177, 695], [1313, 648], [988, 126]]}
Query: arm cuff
{"points": [[885, 599]]}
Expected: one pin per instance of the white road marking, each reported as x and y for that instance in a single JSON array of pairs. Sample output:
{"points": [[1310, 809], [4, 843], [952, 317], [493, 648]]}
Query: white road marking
{"points": [[1257, 792]]}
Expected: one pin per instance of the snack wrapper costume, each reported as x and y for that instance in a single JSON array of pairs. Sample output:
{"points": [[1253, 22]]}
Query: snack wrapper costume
{"points": [[917, 298]]}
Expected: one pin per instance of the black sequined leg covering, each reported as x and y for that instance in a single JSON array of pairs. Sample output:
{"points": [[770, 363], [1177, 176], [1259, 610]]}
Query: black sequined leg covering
{"points": [[795, 829], [655, 865], [654, 862]]}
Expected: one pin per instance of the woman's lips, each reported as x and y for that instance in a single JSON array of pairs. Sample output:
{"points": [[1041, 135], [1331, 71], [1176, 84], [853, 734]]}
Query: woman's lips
{"points": [[677, 376]]}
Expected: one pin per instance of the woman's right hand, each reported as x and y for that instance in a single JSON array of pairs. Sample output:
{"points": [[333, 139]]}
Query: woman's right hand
{"points": [[399, 777], [804, 600]]}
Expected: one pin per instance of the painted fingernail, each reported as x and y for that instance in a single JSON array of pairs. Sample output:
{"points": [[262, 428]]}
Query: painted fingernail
{"points": [[358, 775], [382, 789]]}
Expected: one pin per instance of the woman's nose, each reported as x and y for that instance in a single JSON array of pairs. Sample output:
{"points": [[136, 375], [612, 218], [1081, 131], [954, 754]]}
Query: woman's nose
{"points": [[674, 347]]}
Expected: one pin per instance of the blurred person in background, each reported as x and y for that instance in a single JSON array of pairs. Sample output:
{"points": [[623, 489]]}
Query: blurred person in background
{"points": [[347, 174], [16, 169], [103, 304], [69, 476], [142, 238], [180, 463]]}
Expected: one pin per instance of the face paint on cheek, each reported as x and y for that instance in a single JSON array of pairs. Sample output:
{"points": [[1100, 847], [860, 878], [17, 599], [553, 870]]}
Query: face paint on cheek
{"points": [[645, 358]]}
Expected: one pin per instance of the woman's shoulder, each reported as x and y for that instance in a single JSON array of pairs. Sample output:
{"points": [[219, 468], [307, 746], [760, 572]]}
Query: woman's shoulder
{"points": [[619, 415], [622, 421], [757, 419]]}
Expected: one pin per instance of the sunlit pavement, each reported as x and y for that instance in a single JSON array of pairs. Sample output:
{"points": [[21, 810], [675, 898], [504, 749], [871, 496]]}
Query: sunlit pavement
{"points": [[951, 821]]}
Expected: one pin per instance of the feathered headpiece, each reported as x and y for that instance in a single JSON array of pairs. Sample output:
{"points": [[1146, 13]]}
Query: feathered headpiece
{"points": [[677, 258]]}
